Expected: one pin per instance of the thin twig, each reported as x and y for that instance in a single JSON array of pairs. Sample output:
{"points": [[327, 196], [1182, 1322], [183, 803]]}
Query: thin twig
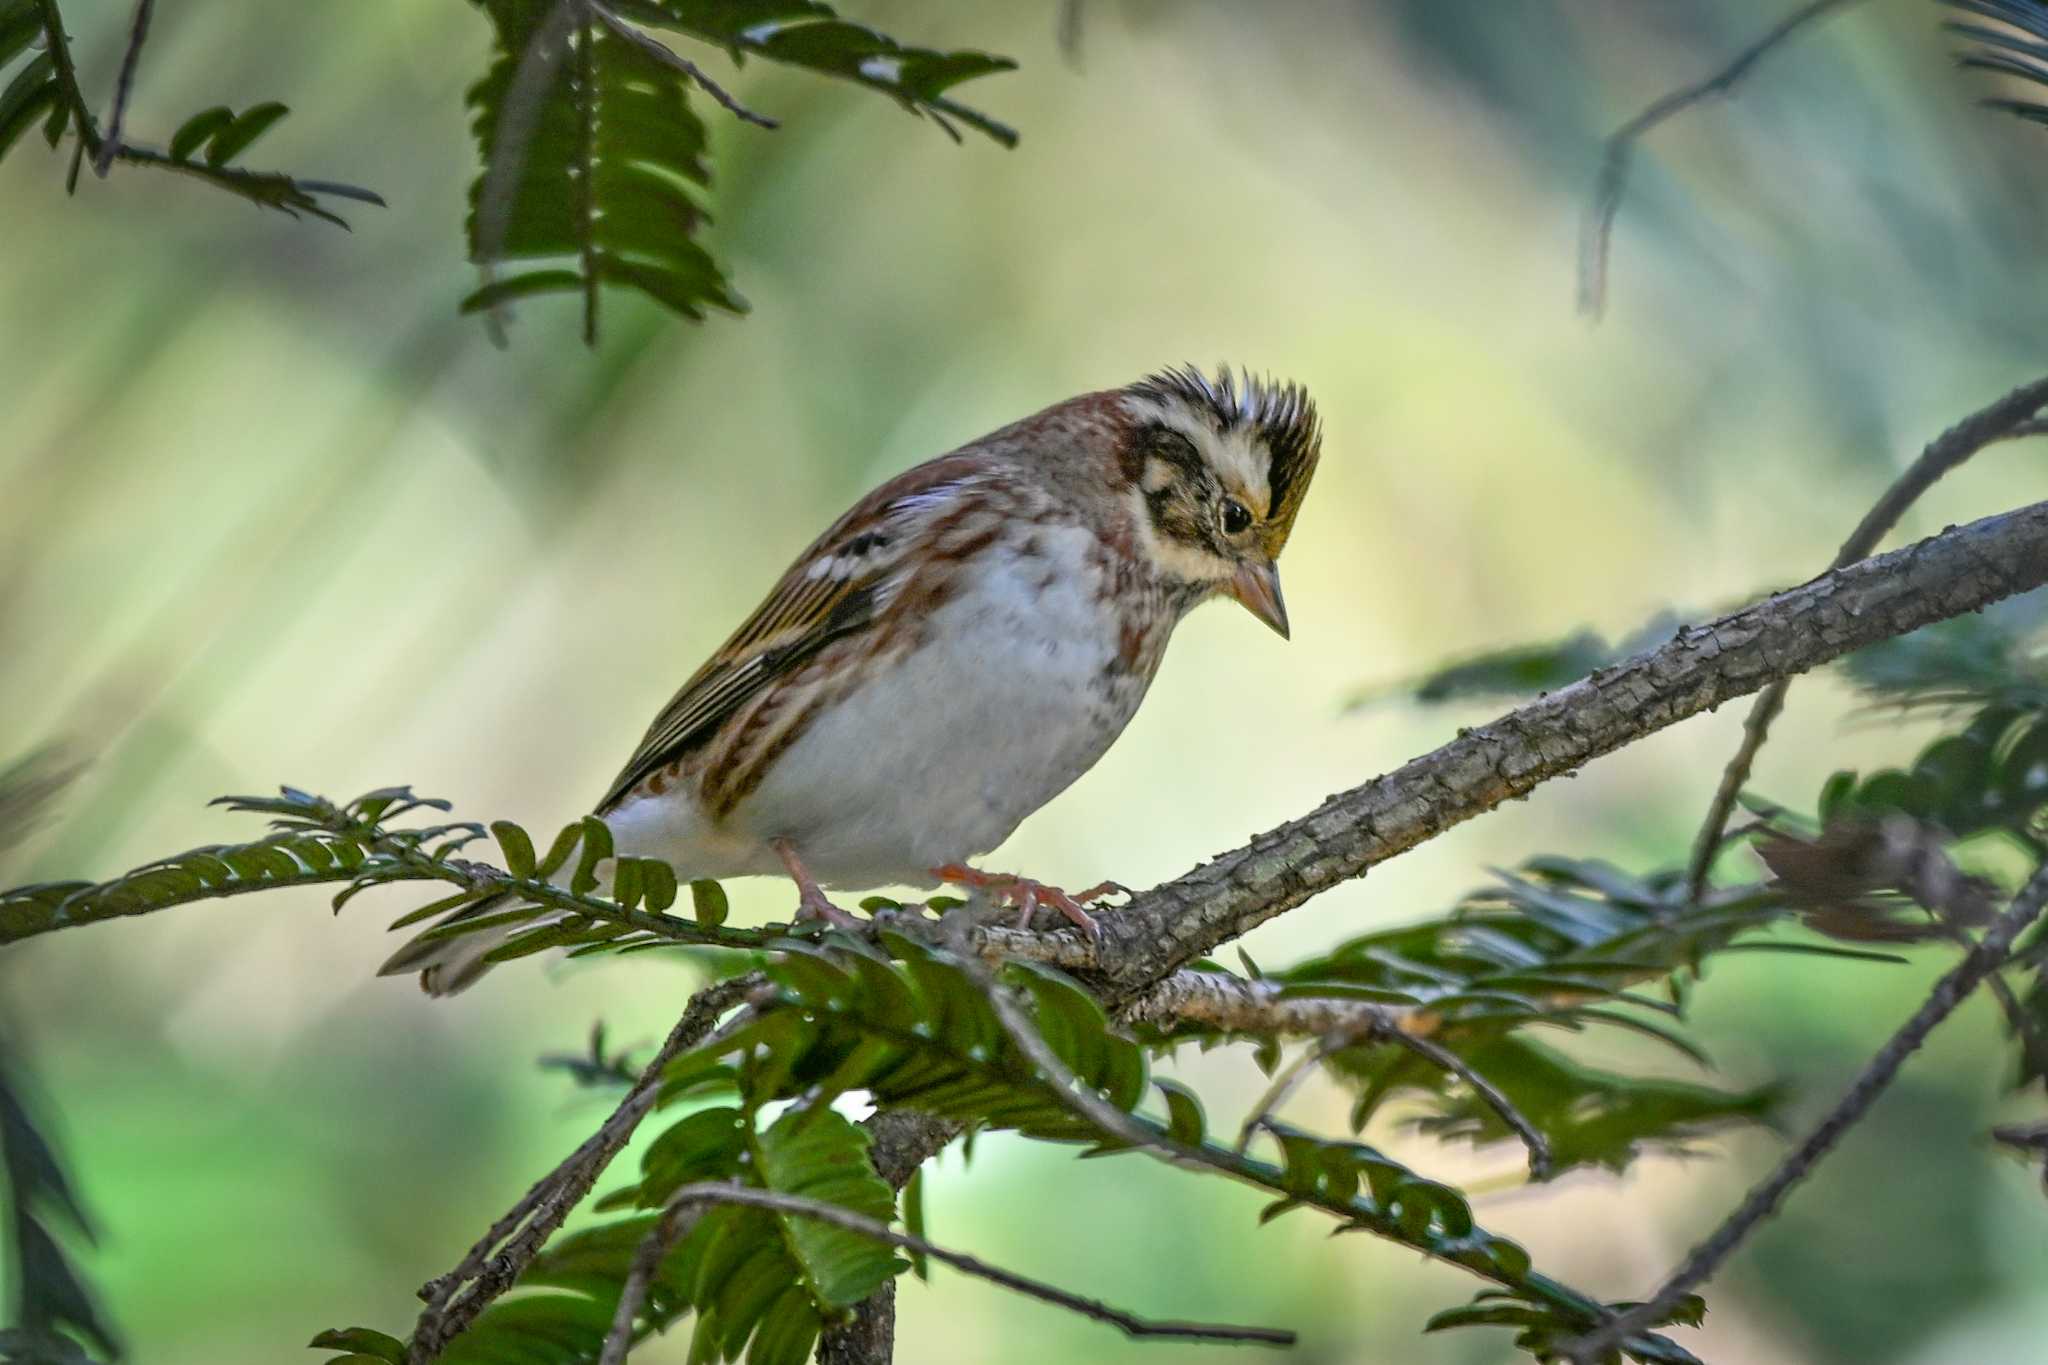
{"points": [[2012, 416], [1599, 224], [1239, 1006], [1984, 958], [669, 57], [492, 1265], [674, 1224], [1488, 1093], [137, 34], [1286, 1083], [838, 1216]]}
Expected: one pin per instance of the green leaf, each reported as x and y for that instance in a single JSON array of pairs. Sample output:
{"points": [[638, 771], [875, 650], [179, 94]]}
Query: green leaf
{"points": [[708, 903], [811, 36], [913, 1223], [196, 131], [1185, 1122], [511, 288], [823, 1156], [32, 91], [559, 851], [628, 881], [660, 882], [517, 846], [235, 138], [597, 846], [20, 25], [364, 1341]]}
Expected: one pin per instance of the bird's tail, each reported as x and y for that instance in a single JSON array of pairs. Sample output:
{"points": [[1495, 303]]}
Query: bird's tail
{"points": [[450, 964]]}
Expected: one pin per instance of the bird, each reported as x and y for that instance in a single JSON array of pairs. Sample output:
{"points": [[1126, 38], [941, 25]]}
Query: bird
{"points": [[958, 648]]}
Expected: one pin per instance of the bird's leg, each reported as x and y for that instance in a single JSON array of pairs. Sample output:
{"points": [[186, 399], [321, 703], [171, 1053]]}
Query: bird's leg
{"points": [[1027, 894], [811, 900]]}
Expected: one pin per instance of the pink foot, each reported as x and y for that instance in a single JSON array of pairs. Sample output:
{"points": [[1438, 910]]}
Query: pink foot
{"points": [[811, 900], [1025, 894]]}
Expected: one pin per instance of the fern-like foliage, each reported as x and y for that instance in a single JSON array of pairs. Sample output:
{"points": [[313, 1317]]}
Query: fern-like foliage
{"points": [[919, 1032], [314, 841], [594, 160], [1560, 944], [914, 1027], [2014, 43], [1559, 939], [808, 34], [205, 147]]}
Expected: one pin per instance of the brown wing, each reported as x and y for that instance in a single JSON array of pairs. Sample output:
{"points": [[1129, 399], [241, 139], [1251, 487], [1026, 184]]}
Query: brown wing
{"points": [[835, 589]]}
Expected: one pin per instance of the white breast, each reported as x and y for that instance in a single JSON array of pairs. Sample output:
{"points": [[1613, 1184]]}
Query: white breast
{"points": [[1014, 693]]}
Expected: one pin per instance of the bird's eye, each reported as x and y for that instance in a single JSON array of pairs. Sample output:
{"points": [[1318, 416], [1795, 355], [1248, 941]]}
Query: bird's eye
{"points": [[1236, 519]]}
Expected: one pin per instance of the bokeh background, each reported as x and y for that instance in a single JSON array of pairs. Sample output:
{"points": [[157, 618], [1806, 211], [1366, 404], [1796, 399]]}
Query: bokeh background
{"points": [[274, 513]]}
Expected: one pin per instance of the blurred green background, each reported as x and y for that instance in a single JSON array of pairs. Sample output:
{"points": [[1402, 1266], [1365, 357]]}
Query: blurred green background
{"points": [[274, 513]]}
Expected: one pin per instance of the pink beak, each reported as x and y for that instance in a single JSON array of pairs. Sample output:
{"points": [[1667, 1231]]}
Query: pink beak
{"points": [[1257, 586]]}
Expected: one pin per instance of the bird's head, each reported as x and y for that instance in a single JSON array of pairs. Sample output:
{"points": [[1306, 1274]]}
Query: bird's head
{"points": [[1218, 468]]}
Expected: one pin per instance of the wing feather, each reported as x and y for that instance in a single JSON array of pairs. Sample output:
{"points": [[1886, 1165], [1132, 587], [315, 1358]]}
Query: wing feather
{"points": [[836, 588]]}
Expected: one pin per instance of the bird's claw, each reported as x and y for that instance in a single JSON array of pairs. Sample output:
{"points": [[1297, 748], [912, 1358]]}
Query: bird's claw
{"points": [[813, 904], [1026, 894]]}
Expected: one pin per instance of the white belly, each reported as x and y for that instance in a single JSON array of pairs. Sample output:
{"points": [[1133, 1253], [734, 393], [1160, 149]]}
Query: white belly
{"points": [[1014, 693]]}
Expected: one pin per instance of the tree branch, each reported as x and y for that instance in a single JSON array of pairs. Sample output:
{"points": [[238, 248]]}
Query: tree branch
{"points": [[496, 1261], [1598, 230], [1137, 965], [690, 1196], [2010, 417], [1983, 959], [1961, 570]]}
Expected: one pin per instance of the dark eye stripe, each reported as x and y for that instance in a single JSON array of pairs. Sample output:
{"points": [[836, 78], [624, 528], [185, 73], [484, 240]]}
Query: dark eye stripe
{"points": [[1176, 449]]}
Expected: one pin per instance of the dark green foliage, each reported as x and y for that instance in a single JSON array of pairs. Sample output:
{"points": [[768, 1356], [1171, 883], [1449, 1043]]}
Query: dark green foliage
{"points": [[761, 1284], [807, 34], [51, 1316], [919, 1033], [1558, 944], [594, 165], [363, 1344], [204, 147], [1541, 1334], [31, 94], [595, 169], [922, 1034], [1590, 1117], [1990, 777], [220, 135]]}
